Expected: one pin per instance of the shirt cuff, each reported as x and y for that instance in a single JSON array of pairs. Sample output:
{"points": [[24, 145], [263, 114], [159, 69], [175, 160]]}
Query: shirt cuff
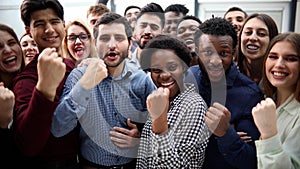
{"points": [[271, 144], [80, 95]]}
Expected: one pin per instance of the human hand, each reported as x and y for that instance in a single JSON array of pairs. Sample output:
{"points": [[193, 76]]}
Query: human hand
{"points": [[94, 74], [51, 71], [265, 118], [7, 101], [244, 137], [217, 119], [125, 138]]}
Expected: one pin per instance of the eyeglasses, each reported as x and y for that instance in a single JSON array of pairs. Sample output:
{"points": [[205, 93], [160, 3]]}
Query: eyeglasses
{"points": [[82, 38]]}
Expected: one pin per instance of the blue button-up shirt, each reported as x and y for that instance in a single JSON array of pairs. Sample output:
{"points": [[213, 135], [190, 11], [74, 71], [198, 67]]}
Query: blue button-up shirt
{"points": [[240, 96], [98, 110]]}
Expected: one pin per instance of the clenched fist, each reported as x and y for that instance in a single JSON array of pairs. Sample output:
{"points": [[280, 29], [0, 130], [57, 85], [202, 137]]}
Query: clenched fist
{"points": [[94, 74], [158, 106], [51, 71], [265, 118], [7, 101]]}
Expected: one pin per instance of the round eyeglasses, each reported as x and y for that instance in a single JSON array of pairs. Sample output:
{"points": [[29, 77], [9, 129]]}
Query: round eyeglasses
{"points": [[82, 38]]}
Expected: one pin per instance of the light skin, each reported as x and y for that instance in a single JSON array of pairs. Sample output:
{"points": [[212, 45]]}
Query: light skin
{"points": [[47, 29], [216, 53], [282, 71], [79, 49], [236, 18], [171, 22], [167, 74], [7, 102], [29, 48], [10, 54], [92, 18], [131, 15], [254, 39], [112, 47], [148, 26]]}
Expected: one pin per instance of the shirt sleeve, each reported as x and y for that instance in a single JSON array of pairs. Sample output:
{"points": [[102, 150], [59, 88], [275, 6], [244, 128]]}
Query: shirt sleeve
{"points": [[183, 142], [272, 153], [73, 104], [32, 109]]}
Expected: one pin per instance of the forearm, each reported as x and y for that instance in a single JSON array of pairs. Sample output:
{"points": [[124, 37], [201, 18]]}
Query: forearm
{"points": [[33, 123]]}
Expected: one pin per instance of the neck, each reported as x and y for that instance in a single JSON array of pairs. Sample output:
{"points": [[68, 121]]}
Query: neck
{"points": [[282, 96], [255, 69], [116, 71]]}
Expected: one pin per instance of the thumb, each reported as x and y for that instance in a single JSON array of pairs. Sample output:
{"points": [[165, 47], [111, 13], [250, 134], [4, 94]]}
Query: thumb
{"points": [[131, 125], [166, 92]]}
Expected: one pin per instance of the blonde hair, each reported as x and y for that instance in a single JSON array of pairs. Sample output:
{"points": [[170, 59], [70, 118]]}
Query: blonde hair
{"points": [[81, 23]]}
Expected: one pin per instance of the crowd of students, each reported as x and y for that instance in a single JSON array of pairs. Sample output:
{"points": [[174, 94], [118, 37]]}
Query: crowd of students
{"points": [[153, 88]]}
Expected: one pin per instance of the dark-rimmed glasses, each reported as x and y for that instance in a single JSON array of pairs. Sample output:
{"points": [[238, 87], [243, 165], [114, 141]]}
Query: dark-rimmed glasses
{"points": [[82, 37]]}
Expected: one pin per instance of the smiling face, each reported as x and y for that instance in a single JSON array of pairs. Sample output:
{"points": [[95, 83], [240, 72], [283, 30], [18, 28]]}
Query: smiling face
{"points": [[148, 26], [237, 19], [131, 16], [112, 44], [254, 39], [215, 52], [47, 29], [81, 47], [186, 30], [167, 71], [172, 19], [10, 53], [282, 66], [29, 48]]}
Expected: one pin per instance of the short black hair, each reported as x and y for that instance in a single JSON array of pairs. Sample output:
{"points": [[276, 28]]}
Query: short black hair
{"points": [[130, 7], [111, 17], [165, 41], [177, 8], [216, 26], [236, 9], [30, 6], [153, 9], [191, 17]]}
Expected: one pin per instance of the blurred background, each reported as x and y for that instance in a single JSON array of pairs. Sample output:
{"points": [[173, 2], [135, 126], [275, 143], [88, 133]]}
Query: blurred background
{"points": [[286, 13]]}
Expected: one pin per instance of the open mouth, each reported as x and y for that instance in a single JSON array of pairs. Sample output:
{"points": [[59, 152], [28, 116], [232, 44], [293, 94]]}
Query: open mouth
{"points": [[252, 47], [279, 74], [167, 84], [10, 60], [78, 51]]}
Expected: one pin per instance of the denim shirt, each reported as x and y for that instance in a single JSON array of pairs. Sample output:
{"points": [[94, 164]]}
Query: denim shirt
{"points": [[241, 95], [107, 105]]}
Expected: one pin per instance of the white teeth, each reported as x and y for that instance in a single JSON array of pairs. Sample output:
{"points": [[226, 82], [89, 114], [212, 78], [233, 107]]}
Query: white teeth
{"points": [[252, 47], [10, 59], [167, 84], [279, 74], [50, 38]]}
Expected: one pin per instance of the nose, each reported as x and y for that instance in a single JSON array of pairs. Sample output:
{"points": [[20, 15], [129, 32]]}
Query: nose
{"points": [[253, 36], [49, 28], [112, 43], [279, 62], [77, 40], [147, 29], [165, 74], [215, 60]]}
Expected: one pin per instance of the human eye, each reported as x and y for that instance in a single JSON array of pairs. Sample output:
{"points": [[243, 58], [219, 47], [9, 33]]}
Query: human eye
{"points": [[120, 38], [292, 58], [172, 67], [181, 30], [248, 32], [71, 37], [83, 36], [207, 52], [104, 38], [24, 44], [154, 27], [55, 21], [272, 56], [193, 28], [12, 43], [156, 70], [38, 24], [262, 33]]}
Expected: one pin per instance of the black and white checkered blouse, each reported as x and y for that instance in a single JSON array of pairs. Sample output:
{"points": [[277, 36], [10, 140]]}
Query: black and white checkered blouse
{"points": [[183, 146]]}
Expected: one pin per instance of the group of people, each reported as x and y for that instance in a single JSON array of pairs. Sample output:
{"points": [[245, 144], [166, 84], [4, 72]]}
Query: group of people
{"points": [[153, 88]]}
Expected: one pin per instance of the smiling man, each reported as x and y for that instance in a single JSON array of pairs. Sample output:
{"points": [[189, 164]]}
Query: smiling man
{"points": [[38, 88]]}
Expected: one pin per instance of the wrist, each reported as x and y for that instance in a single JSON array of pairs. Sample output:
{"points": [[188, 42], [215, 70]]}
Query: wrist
{"points": [[48, 92]]}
